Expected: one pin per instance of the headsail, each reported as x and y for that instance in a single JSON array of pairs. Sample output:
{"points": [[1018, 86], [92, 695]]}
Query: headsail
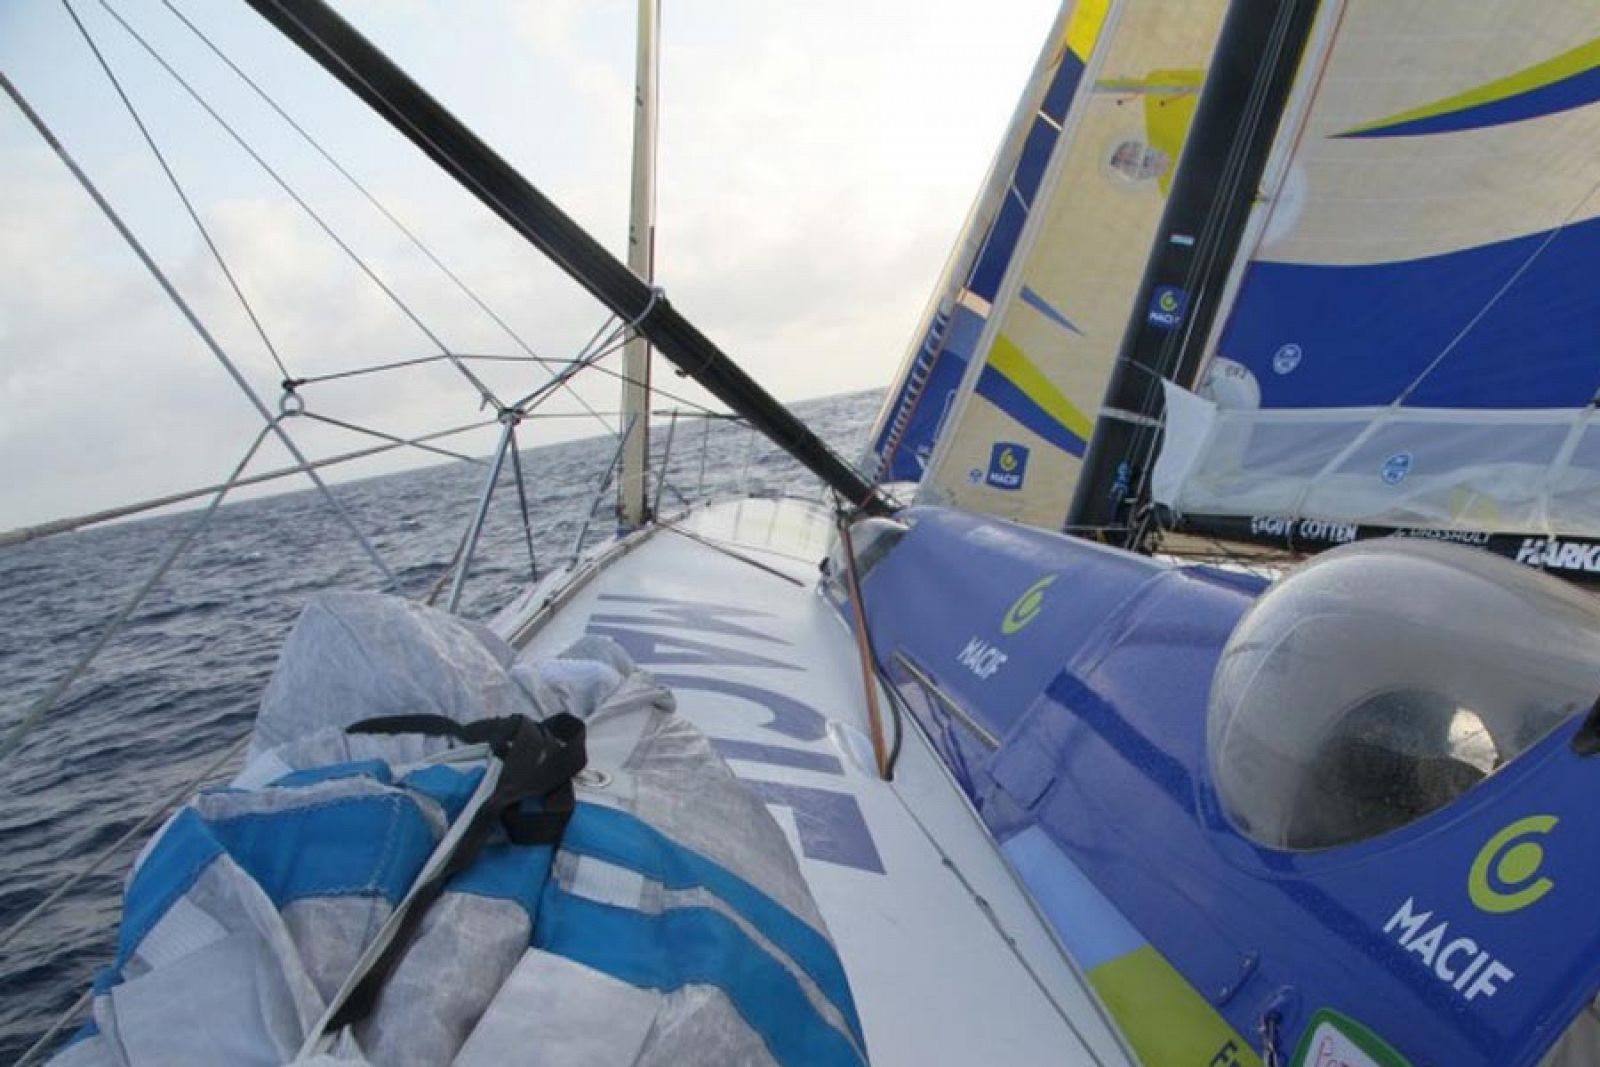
{"points": [[903, 437], [1025, 412], [1413, 333]]}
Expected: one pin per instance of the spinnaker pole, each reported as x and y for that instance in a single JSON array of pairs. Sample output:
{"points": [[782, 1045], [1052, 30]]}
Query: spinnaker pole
{"points": [[314, 28], [632, 509]]}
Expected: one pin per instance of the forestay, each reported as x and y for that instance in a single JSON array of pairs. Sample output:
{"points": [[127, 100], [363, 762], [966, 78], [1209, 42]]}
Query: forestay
{"points": [[1412, 332]]}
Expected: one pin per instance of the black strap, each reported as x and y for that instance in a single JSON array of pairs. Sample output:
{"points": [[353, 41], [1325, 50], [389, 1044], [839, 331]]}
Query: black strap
{"points": [[539, 760]]}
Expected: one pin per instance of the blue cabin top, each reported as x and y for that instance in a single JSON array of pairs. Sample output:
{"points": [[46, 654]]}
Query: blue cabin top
{"points": [[1279, 878]]}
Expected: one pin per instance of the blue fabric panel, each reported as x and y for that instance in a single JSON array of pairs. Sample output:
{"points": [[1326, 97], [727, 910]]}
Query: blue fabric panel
{"points": [[1366, 332], [452, 788], [360, 846], [1564, 95], [916, 447], [1042, 306], [619, 838], [83, 1033], [183, 852], [1002, 240], [1063, 86], [997, 249], [684, 946], [1000, 391], [504, 871], [371, 768], [1036, 149]]}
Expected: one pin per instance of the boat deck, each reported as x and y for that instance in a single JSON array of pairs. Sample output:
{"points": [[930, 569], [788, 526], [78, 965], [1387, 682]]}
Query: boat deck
{"points": [[948, 960]]}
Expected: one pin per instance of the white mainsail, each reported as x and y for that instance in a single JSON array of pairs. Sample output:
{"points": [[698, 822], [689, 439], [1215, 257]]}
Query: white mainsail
{"points": [[1015, 442]]}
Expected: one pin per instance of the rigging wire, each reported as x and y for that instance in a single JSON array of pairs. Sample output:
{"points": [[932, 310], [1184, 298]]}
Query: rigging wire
{"points": [[189, 315], [35, 714], [170, 802], [177, 187], [48, 529], [522, 503], [410, 235], [399, 441], [486, 394]]}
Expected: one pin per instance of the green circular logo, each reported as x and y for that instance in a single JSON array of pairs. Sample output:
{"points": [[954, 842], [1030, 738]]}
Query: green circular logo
{"points": [[1505, 874], [1168, 301], [1027, 606]]}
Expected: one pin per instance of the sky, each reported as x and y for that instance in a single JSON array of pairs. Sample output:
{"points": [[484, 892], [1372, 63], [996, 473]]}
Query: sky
{"points": [[816, 162]]}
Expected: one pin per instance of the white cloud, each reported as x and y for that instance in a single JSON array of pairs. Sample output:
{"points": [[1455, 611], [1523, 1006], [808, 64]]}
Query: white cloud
{"points": [[816, 162]]}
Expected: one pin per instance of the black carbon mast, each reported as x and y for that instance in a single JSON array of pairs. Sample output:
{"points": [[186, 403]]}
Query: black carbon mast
{"points": [[1235, 124], [317, 30]]}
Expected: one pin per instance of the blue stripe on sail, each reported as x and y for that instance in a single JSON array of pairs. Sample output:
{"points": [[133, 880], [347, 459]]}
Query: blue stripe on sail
{"points": [[997, 248], [916, 442], [452, 788], [619, 838], [1564, 95], [1007, 229], [502, 871], [686, 946], [1042, 306], [355, 846], [1001, 392], [1366, 332], [375, 769], [1063, 86], [185, 849], [1034, 159]]}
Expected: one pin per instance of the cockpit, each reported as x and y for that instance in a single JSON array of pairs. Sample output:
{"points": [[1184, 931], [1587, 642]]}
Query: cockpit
{"points": [[1383, 680]]}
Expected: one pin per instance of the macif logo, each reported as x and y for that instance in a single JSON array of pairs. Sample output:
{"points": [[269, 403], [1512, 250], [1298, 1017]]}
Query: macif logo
{"points": [[1008, 464], [1167, 307]]}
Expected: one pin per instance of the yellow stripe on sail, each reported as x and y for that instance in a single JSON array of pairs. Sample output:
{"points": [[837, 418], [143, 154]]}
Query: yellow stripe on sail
{"points": [[1088, 18], [1583, 58], [1009, 360]]}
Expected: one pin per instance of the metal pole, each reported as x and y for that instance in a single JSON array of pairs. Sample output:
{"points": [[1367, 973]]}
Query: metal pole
{"points": [[508, 423], [666, 457], [605, 483], [641, 260]]}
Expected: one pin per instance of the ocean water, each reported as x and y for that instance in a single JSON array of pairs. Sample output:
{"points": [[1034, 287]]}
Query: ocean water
{"points": [[179, 683]]}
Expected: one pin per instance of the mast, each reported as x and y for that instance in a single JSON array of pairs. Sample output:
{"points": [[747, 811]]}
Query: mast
{"points": [[314, 28], [1251, 76], [632, 509]]}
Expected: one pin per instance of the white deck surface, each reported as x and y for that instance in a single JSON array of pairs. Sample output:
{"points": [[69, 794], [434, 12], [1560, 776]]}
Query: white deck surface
{"points": [[948, 962]]}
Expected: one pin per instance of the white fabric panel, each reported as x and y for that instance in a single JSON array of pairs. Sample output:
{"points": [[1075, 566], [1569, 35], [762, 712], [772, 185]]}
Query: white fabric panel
{"points": [[1186, 432], [353, 656], [583, 1018], [1530, 471], [182, 930]]}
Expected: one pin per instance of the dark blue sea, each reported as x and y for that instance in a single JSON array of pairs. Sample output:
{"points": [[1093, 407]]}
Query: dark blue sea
{"points": [[179, 683]]}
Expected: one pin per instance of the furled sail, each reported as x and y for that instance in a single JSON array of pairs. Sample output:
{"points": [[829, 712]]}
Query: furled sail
{"points": [[1014, 443], [1413, 333], [933, 369]]}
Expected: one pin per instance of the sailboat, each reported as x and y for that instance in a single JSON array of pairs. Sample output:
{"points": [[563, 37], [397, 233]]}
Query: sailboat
{"points": [[1047, 796]]}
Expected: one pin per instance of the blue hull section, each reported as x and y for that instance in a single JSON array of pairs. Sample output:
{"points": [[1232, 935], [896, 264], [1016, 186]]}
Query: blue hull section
{"points": [[1066, 686]]}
